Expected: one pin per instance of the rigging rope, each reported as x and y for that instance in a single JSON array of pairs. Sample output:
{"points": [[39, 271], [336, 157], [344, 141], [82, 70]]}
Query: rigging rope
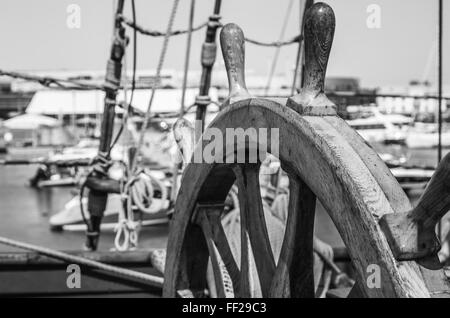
{"points": [[187, 57], [150, 279], [277, 51], [127, 230], [53, 82], [304, 6], [153, 33], [69, 84], [138, 188], [158, 76], [183, 94], [293, 40]]}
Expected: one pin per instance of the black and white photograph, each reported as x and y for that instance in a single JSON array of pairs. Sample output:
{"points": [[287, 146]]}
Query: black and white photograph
{"points": [[218, 149]]}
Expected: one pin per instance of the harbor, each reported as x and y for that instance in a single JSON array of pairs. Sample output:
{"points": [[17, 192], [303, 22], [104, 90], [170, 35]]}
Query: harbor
{"points": [[217, 177], [42, 203]]}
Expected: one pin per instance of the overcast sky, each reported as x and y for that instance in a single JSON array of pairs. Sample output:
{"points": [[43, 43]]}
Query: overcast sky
{"points": [[35, 36]]}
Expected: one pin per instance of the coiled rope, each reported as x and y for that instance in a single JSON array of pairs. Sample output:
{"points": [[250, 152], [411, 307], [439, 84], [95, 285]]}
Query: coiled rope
{"points": [[127, 229], [152, 280], [138, 191]]}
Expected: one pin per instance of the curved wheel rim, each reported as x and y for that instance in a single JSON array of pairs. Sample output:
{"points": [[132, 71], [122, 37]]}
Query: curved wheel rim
{"points": [[314, 151]]}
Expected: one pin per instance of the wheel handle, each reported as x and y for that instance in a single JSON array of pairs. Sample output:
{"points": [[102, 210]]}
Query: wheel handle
{"points": [[412, 235], [318, 36], [232, 42]]}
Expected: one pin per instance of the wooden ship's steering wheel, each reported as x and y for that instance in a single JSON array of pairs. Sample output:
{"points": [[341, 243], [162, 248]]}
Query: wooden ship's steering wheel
{"points": [[325, 160]]}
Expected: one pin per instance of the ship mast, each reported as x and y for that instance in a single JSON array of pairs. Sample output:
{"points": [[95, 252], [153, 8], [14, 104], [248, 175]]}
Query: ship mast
{"points": [[440, 81], [440, 92]]}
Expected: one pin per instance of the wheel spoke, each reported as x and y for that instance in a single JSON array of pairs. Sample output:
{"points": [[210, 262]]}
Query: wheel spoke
{"points": [[357, 291], [244, 281], [253, 225], [193, 262], [225, 269], [224, 249], [294, 275]]}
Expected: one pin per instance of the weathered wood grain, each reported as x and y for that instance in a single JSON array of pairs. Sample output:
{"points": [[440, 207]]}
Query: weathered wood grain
{"points": [[412, 235], [233, 49], [376, 166], [435, 281], [200, 218], [325, 158], [294, 276], [209, 218], [318, 38], [318, 154], [253, 224], [138, 257], [184, 135]]}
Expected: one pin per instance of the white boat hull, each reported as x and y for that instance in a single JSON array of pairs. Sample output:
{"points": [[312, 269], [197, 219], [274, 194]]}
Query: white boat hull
{"points": [[426, 140], [70, 216]]}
